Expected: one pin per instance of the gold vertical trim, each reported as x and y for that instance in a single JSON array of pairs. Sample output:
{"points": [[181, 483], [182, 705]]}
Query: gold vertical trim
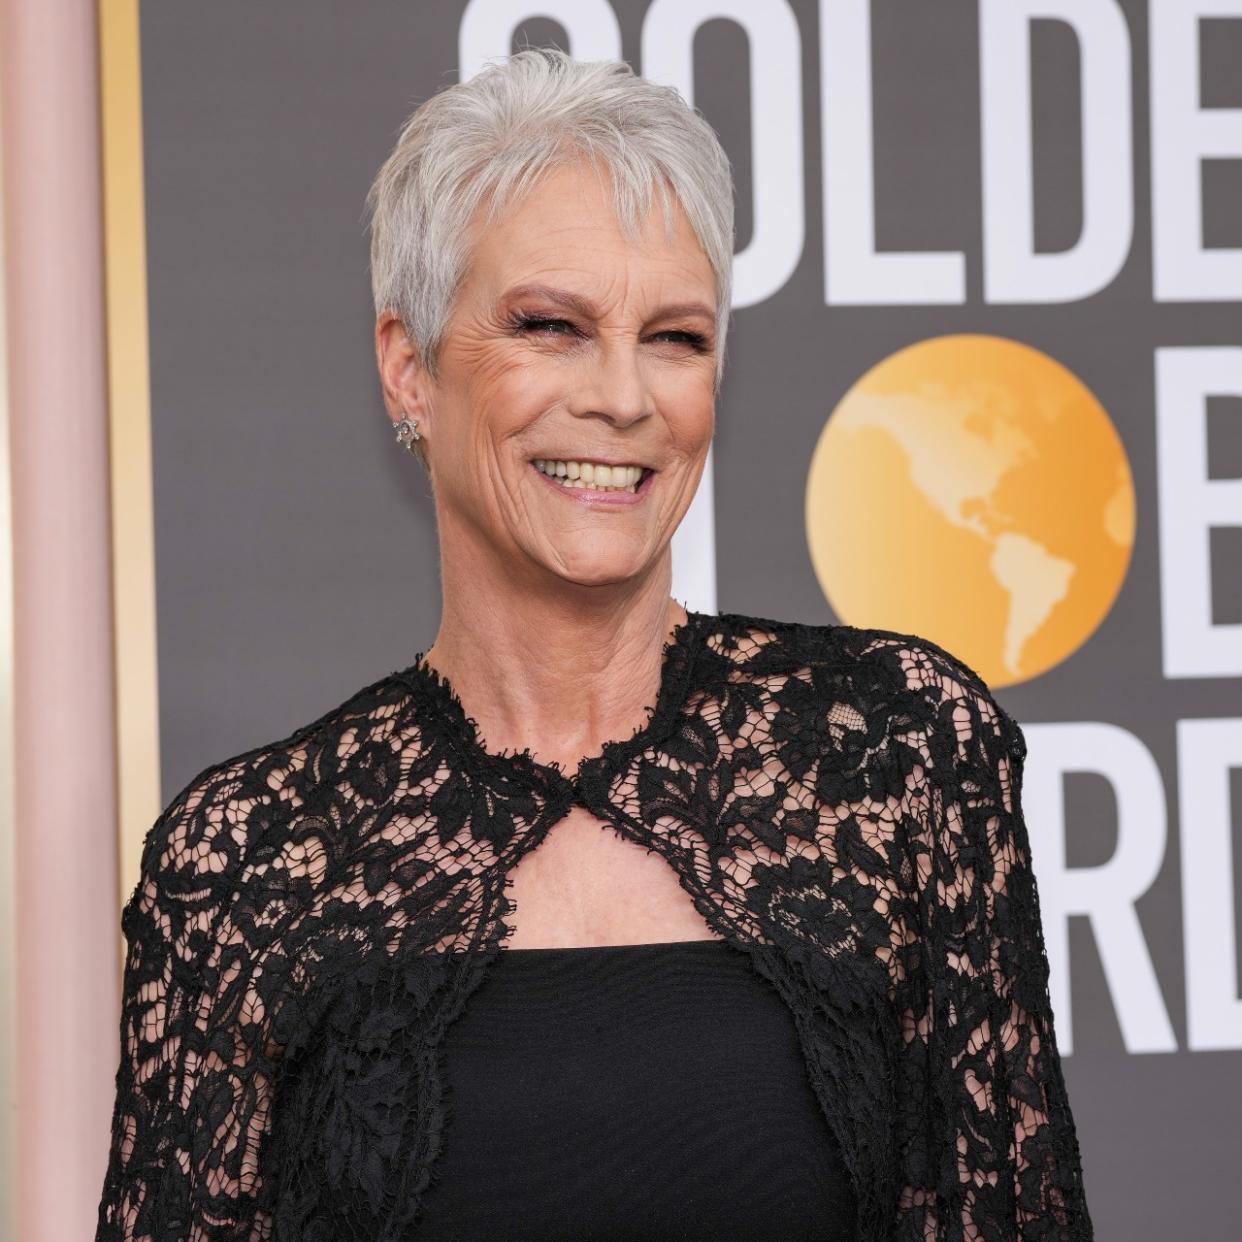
{"points": [[129, 421]]}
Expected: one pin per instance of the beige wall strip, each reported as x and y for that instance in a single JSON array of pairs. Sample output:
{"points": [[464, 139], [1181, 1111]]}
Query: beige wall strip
{"points": [[67, 1004], [8, 808]]}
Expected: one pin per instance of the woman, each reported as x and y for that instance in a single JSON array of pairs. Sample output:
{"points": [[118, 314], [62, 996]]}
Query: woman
{"points": [[603, 919]]}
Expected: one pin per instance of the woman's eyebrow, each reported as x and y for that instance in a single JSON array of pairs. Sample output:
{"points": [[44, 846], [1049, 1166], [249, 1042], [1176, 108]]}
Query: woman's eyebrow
{"points": [[582, 306]]}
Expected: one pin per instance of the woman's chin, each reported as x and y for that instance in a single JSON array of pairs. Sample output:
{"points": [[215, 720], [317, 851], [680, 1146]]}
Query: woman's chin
{"points": [[598, 564]]}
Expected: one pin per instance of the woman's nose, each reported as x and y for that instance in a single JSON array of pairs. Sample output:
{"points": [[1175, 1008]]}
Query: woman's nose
{"points": [[613, 386]]}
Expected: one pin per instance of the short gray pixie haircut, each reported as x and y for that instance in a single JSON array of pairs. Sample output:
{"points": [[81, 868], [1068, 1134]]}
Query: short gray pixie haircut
{"points": [[485, 142]]}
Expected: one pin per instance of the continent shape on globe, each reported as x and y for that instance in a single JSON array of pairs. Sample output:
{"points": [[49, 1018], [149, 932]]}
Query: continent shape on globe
{"points": [[973, 490]]}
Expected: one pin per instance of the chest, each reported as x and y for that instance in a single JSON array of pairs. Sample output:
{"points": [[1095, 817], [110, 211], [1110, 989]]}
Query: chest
{"points": [[585, 884]]}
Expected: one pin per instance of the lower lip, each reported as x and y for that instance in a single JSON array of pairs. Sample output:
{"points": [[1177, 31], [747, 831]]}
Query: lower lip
{"points": [[589, 496]]}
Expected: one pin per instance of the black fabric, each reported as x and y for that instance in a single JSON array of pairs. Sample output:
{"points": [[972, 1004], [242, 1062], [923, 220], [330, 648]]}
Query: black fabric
{"points": [[629, 1093], [841, 804]]}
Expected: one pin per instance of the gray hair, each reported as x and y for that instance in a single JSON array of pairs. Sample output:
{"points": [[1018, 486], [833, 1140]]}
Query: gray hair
{"points": [[486, 141]]}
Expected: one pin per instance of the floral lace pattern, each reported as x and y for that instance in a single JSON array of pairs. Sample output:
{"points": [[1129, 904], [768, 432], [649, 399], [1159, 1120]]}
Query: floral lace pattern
{"points": [[842, 804]]}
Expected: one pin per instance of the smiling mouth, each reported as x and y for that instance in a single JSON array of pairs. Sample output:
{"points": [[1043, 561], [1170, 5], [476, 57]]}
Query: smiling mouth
{"points": [[594, 476]]}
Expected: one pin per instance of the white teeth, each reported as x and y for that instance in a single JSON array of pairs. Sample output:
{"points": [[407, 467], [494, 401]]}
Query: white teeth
{"points": [[588, 474]]}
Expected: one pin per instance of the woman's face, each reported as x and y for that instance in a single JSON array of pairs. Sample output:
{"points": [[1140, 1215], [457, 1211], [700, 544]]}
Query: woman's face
{"points": [[572, 346]]}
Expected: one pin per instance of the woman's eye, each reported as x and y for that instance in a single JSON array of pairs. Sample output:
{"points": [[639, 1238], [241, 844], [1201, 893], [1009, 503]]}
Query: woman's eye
{"points": [[694, 339], [546, 325], [552, 327]]}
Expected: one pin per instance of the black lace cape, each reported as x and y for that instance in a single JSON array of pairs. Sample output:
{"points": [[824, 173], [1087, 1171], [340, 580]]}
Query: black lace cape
{"points": [[841, 804]]}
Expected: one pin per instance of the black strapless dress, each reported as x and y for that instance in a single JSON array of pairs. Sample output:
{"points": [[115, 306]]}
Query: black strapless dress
{"points": [[632, 1092]]}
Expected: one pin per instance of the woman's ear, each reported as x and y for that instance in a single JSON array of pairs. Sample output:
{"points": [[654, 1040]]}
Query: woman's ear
{"points": [[403, 376]]}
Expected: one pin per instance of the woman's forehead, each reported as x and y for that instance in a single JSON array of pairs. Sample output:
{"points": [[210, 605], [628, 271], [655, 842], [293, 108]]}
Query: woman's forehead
{"points": [[567, 298], [573, 208], [565, 233], [640, 283]]}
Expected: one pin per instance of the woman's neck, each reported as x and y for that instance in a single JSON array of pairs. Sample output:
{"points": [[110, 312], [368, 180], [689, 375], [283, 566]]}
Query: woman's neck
{"points": [[560, 671]]}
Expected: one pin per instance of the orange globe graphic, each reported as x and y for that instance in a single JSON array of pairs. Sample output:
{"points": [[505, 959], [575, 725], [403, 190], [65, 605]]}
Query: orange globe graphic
{"points": [[972, 490]]}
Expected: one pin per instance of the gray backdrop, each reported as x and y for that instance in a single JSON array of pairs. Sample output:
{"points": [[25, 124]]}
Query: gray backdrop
{"points": [[295, 543]]}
